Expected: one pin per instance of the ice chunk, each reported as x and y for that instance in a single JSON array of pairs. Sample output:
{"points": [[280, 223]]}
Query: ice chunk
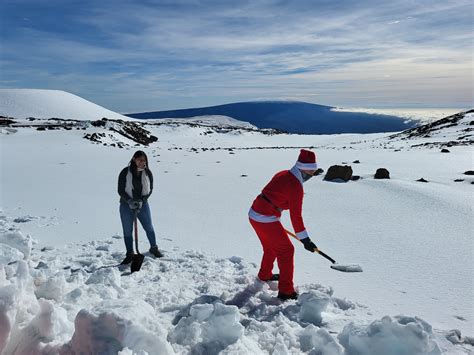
{"points": [[26, 340], [344, 303], [312, 304], [204, 299], [52, 289], [9, 255], [319, 340], [17, 240], [209, 328]]}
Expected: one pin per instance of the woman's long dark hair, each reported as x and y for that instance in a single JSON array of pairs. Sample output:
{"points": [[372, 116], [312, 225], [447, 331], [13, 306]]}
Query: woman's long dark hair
{"points": [[138, 154]]}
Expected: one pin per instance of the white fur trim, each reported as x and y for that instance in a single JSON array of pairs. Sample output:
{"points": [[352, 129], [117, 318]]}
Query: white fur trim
{"points": [[257, 217], [306, 166], [297, 173], [129, 184], [145, 183], [302, 235]]}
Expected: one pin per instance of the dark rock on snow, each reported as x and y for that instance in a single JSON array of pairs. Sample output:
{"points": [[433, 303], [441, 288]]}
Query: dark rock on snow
{"points": [[339, 172], [382, 173]]}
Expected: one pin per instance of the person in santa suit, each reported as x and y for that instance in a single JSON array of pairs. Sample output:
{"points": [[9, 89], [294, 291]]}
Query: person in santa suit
{"points": [[283, 192]]}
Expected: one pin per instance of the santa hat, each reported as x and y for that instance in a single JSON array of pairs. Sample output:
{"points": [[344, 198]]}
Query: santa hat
{"points": [[306, 160]]}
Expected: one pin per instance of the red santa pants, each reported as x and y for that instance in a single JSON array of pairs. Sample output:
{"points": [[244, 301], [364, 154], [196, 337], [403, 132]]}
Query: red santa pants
{"points": [[276, 245]]}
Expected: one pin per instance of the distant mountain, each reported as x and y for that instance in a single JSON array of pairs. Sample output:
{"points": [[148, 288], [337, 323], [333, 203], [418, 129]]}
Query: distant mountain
{"points": [[24, 103], [293, 117]]}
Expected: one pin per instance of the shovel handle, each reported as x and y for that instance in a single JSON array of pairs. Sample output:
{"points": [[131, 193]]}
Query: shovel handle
{"points": [[315, 249], [135, 226]]}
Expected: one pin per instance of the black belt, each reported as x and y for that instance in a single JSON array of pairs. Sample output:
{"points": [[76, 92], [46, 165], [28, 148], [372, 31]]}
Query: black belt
{"points": [[270, 202]]}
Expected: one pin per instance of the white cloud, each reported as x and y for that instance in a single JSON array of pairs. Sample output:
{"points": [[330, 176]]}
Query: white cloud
{"points": [[260, 48]]}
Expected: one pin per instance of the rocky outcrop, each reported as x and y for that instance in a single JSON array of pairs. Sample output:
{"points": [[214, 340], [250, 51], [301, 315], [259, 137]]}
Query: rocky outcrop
{"points": [[457, 128]]}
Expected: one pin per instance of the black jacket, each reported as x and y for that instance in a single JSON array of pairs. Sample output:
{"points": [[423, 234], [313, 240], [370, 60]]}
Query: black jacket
{"points": [[137, 185]]}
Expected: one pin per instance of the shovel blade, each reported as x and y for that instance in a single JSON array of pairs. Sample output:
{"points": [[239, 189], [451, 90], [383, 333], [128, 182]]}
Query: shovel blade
{"points": [[137, 262], [347, 267]]}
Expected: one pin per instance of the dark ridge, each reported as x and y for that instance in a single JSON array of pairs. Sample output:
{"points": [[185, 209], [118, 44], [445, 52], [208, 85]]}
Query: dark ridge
{"points": [[293, 117]]}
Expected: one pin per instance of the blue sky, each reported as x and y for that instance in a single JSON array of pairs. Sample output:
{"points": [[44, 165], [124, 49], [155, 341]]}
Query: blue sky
{"points": [[143, 55]]}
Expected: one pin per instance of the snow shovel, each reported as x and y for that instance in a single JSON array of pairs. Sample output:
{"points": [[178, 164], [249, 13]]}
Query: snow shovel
{"points": [[137, 258], [335, 266]]}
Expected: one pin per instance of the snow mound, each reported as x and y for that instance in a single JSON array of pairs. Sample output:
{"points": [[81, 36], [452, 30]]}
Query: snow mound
{"points": [[399, 336], [24, 103]]}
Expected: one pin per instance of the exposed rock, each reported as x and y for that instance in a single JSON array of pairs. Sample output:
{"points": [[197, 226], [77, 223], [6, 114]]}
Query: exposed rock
{"points": [[356, 162], [355, 177], [444, 150], [136, 133], [94, 137], [422, 180], [469, 172], [339, 172], [382, 173], [459, 180], [6, 121], [318, 172]]}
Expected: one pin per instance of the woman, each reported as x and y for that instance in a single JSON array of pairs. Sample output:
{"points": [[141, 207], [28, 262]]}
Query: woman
{"points": [[135, 185]]}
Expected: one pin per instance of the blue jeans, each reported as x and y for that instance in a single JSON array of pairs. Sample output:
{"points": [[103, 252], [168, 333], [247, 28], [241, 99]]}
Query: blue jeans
{"points": [[127, 216]]}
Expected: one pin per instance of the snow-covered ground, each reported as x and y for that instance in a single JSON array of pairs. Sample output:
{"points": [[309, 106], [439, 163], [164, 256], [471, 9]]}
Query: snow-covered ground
{"points": [[59, 225]]}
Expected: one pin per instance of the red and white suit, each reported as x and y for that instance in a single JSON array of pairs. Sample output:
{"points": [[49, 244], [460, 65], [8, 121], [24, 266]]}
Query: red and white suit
{"points": [[283, 192]]}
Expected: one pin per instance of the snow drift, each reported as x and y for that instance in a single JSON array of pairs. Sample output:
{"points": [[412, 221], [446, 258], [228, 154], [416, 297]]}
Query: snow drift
{"points": [[52, 302]]}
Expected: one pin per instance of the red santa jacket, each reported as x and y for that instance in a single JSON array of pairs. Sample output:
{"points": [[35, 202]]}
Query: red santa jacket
{"points": [[283, 192]]}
